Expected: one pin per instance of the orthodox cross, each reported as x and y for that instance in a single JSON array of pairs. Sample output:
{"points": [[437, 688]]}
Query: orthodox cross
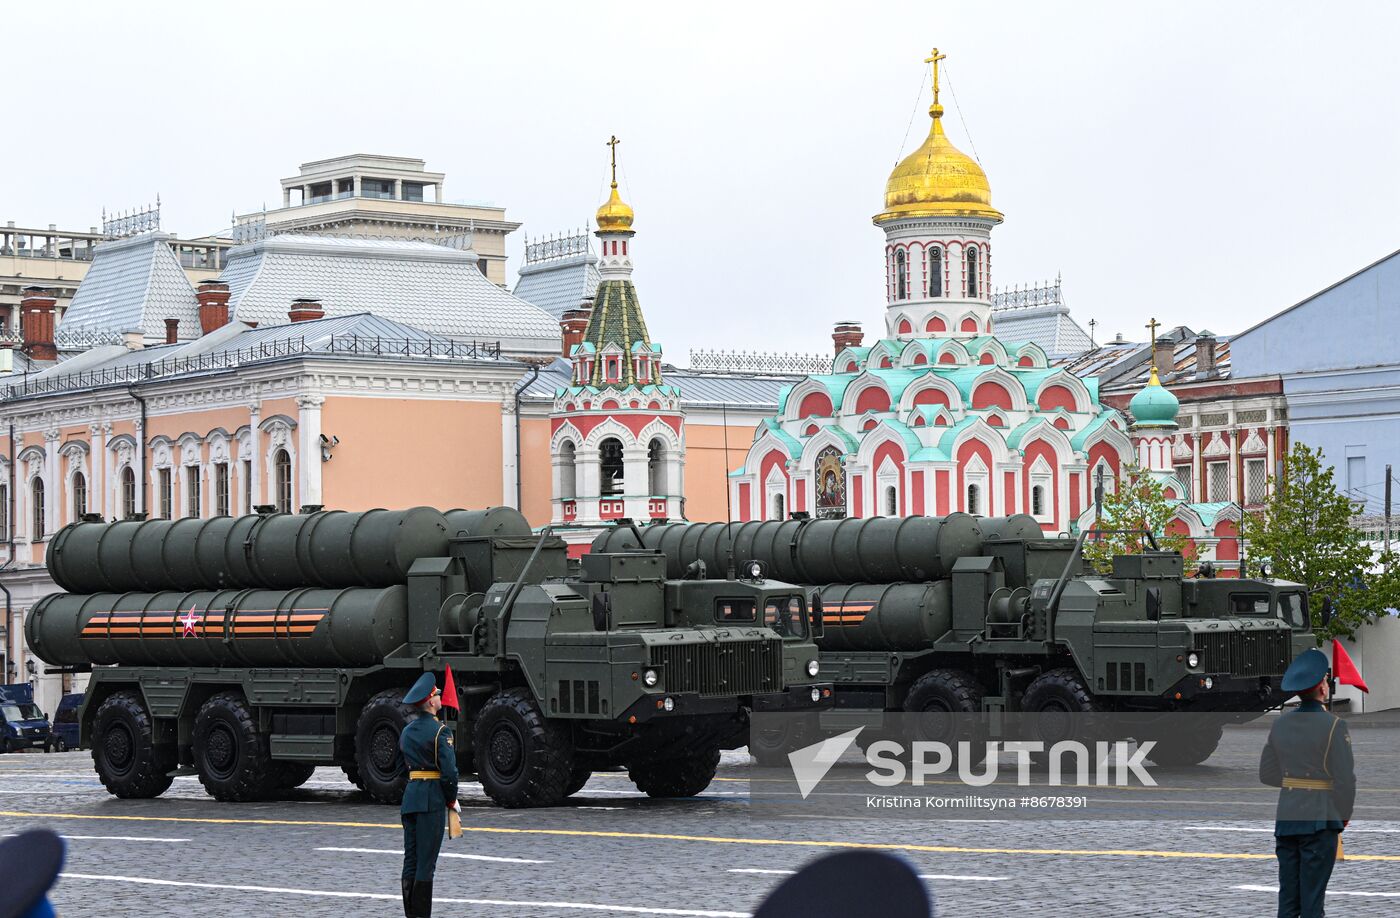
{"points": [[612, 142], [934, 59], [1093, 323], [1152, 326]]}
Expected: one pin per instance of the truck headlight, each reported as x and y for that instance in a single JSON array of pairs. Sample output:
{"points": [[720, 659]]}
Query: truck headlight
{"points": [[669, 704], [650, 678], [813, 667], [1209, 683], [1193, 660], [816, 694]]}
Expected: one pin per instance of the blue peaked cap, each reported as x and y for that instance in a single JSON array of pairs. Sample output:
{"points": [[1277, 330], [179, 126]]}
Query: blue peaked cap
{"points": [[425, 685], [1306, 671]]}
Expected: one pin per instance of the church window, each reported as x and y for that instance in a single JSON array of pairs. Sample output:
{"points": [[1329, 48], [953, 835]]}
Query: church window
{"points": [[624, 247], [1256, 480], [935, 272], [972, 286], [1038, 501], [128, 493], [656, 467], [777, 507], [79, 491], [36, 490], [891, 501], [568, 475], [1183, 475], [901, 276], [610, 470], [282, 465], [1219, 481], [973, 493]]}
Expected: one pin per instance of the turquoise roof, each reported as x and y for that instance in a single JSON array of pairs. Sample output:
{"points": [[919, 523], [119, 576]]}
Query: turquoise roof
{"points": [[912, 444], [1154, 406], [790, 443], [1082, 437], [1209, 512]]}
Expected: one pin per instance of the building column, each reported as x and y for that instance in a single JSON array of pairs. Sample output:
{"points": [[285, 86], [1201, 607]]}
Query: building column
{"points": [[1198, 469], [1236, 471], [1271, 437], [356, 181], [255, 441], [589, 468], [636, 482], [398, 189], [54, 493], [309, 446], [508, 467], [287, 197]]}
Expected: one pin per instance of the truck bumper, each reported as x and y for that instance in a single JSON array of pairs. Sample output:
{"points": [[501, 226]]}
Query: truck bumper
{"points": [[653, 708], [1209, 692]]}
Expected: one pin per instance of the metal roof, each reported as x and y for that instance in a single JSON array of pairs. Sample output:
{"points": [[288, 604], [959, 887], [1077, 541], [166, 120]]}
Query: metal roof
{"points": [[697, 389], [134, 284], [559, 285], [431, 287], [1048, 326]]}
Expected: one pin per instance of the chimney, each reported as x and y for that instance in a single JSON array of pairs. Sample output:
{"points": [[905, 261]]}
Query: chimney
{"points": [[847, 334], [172, 331], [1164, 355], [573, 324], [134, 340], [37, 307], [306, 308], [1205, 355], [213, 305]]}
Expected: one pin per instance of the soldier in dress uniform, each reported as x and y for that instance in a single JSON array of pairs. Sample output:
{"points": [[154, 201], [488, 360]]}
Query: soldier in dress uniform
{"points": [[1308, 755], [431, 759]]}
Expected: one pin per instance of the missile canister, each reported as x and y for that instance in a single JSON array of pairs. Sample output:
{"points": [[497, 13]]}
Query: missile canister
{"points": [[871, 550], [330, 548], [308, 627], [885, 616], [1016, 526]]}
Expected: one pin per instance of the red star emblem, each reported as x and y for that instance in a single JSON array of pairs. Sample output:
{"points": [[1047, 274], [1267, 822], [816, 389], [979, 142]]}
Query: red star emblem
{"points": [[189, 620]]}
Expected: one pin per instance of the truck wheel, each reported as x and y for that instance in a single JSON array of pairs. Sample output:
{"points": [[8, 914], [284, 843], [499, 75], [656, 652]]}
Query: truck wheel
{"points": [[289, 775], [230, 754], [1063, 709], [577, 779], [59, 745], [383, 774], [128, 762], [770, 747], [352, 774], [947, 702], [1184, 747], [522, 758], [683, 777]]}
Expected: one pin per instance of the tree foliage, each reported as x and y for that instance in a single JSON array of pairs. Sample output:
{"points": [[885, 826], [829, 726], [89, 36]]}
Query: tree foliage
{"points": [[1139, 503], [1305, 533]]}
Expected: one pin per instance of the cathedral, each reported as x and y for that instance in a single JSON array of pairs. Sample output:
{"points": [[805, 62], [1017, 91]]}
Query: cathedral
{"points": [[940, 414]]}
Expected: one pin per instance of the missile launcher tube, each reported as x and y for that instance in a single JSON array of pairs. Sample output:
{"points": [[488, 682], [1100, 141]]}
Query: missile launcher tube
{"points": [[871, 550], [1007, 528], [330, 548], [889, 617], [305, 627]]}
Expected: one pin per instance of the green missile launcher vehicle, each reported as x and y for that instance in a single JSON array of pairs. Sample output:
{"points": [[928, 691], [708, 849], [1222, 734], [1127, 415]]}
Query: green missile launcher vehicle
{"points": [[968, 615], [250, 650]]}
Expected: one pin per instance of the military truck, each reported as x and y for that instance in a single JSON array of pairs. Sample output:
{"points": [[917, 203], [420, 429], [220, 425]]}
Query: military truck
{"points": [[250, 650], [968, 615]]}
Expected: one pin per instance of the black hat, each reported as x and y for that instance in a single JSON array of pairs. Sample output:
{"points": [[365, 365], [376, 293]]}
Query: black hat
{"points": [[850, 884], [29, 862]]}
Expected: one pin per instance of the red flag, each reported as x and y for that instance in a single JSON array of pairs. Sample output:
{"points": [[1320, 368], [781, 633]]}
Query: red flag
{"points": [[449, 691], [1345, 669]]}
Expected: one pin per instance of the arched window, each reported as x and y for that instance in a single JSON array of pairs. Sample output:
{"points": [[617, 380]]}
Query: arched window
{"points": [[1038, 500], [610, 470], [36, 490], [282, 466], [972, 287], [656, 468], [4, 513], [778, 508], [935, 272], [128, 492], [891, 501], [973, 504], [79, 490], [568, 471], [901, 276]]}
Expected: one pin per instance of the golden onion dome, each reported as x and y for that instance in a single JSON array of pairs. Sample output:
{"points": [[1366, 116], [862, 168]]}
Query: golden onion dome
{"points": [[938, 180], [614, 216]]}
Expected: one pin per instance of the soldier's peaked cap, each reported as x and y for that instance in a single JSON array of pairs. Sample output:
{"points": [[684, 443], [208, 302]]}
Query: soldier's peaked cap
{"points": [[1305, 672], [423, 688], [850, 884], [29, 864]]}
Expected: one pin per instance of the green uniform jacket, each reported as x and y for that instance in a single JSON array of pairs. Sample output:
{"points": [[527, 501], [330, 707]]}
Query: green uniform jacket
{"points": [[427, 746], [1313, 745]]}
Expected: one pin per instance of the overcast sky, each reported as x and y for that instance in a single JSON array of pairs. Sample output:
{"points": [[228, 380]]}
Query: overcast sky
{"points": [[1204, 163]]}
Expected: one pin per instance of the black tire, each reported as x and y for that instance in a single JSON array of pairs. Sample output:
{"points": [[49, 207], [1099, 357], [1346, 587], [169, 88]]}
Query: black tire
{"points": [[522, 759], [352, 774], [378, 760], [683, 777], [770, 747], [291, 775], [1062, 709], [231, 756], [948, 702], [59, 745], [128, 762], [1180, 747], [577, 779]]}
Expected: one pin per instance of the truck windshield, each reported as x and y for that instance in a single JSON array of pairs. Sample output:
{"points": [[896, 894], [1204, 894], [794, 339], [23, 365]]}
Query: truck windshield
{"points": [[734, 610], [1292, 606], [1250, 603], [785, 615], [21, 712]]}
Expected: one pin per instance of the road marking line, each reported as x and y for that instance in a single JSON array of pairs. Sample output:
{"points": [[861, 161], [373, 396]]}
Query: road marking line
{"points": [[468, 857], [710, 839], [135, 838], [338, 894], [1331, 892], [1271, 831], [923, 876]]}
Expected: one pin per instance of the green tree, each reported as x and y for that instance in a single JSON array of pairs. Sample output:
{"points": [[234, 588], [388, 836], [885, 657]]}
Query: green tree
{"points": [[1137, 504], [1305, 533]]}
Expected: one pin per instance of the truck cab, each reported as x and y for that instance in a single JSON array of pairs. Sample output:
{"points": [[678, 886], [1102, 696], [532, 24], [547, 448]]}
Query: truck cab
{"points": [[22, 724]]}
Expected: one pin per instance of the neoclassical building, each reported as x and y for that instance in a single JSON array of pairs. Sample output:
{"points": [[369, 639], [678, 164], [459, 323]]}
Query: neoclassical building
{"points": [[939, 414]]}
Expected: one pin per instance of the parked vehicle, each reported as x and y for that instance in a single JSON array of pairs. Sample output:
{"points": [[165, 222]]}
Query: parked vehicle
{"points": [[65, 723], [22, 724]]}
